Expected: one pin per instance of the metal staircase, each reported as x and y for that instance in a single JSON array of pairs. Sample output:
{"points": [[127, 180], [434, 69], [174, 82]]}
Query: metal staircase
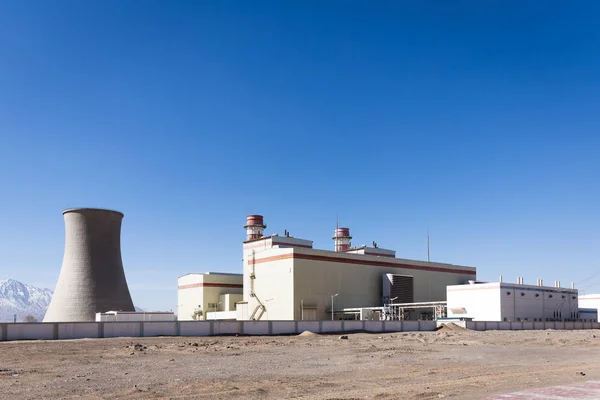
{"points": [[260, 308]]}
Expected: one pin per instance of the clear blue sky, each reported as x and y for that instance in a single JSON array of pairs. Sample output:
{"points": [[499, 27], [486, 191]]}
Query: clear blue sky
{"points": [[477, 120]]}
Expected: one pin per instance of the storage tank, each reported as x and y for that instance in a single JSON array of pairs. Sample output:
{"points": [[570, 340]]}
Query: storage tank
{"points": [[91, 278]]}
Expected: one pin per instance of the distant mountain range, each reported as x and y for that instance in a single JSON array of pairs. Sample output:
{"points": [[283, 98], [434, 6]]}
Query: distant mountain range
{"points": [[24, 300]]}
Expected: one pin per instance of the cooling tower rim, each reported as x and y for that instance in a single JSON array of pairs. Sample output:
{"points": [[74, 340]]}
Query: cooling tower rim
{"points": [[69, 210]]}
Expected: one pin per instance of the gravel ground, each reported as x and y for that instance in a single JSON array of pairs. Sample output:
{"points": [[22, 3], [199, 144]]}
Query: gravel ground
{"points": [[449, 363]]}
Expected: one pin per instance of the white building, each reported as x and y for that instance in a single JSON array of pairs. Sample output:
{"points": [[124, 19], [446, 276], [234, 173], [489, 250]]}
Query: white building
{"points": [[500, 301], [211, 292], [122, 316], [590, 301]]}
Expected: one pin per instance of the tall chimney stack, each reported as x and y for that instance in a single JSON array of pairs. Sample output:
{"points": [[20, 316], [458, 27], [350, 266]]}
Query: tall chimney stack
{"points": [[341, 238], [254, 227]]}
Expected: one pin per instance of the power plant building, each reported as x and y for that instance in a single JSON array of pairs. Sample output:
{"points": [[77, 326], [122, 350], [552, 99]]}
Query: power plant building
{"points": [[92, 279], [285, 278]]}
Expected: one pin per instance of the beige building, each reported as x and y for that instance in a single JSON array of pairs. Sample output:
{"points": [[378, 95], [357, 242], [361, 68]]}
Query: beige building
{"points": [[199, 294], [284, 278]]}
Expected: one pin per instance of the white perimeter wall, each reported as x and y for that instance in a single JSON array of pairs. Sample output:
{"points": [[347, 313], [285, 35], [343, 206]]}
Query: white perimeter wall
{"points": [[79, 330]]}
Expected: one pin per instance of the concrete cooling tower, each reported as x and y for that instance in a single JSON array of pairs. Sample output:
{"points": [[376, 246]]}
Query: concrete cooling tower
{"points": [[91, 277]]}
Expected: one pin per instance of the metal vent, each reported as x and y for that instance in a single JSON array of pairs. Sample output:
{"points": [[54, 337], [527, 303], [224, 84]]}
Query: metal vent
{"points": [[400, 287]]}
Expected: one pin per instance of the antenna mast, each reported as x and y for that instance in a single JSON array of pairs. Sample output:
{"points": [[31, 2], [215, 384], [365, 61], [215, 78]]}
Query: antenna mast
{"points": [[428, 259]]}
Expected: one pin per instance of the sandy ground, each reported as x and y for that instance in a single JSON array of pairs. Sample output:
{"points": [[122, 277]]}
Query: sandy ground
{"points": [[449, 363]]}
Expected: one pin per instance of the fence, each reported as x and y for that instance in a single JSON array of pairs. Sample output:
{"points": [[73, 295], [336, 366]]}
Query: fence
{"points": [[523, 325], [80, 330]]}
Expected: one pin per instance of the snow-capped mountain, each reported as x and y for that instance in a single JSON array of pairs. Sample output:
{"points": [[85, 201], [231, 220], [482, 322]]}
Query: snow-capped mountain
{"points": [[23, 300]]}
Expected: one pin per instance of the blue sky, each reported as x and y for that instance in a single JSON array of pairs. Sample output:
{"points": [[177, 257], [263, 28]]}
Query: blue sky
{"points": [[477, 121]]}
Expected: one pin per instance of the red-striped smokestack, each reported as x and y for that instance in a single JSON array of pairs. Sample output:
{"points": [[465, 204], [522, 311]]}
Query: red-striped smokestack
{"points": [[254, 227], [341, 237]]}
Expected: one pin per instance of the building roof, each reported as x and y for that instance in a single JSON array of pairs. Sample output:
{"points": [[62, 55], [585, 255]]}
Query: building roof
{"points": [[365, 259], [509, 285]]}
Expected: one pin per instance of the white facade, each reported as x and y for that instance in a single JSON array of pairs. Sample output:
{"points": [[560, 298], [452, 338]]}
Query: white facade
{"points": [[199, 294], [130, 316], [590, 301], [499, 301]]}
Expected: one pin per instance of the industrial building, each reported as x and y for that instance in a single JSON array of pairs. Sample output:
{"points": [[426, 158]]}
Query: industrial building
{"points": [[199, 295], [92, 278], [500, 301], [285, 278], [591, 302]]}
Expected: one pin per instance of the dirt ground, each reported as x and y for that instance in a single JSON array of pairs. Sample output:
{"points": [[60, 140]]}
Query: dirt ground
{"points": [[449, 363]]}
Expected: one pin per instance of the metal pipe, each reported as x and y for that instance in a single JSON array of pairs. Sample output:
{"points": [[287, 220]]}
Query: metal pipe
{"points": [[332, 296]]}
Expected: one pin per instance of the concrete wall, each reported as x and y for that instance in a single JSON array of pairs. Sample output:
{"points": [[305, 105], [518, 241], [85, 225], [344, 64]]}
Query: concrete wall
{"points": [[79, 330], [31, 331], [557, 325]]}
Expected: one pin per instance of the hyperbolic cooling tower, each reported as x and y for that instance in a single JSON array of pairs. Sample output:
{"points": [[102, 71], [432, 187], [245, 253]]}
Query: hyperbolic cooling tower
{"points": [[91, 278]]}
